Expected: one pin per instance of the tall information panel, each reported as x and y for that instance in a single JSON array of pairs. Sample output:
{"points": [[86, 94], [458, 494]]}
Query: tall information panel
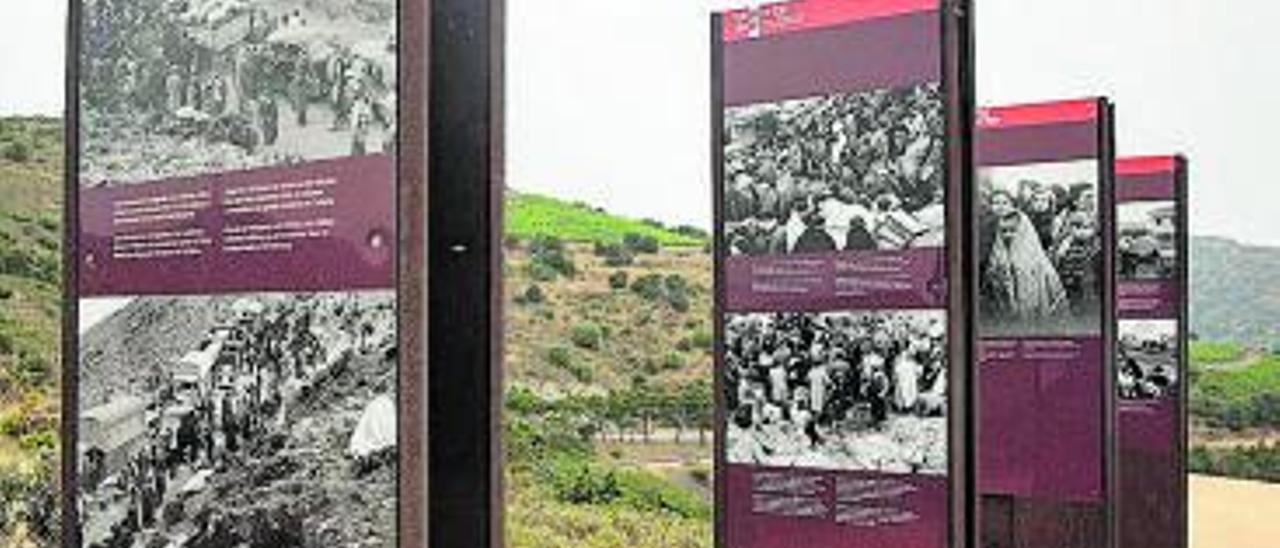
{"points": [[1151, 351], [842, 153], [1045, 412], [240, 368]]}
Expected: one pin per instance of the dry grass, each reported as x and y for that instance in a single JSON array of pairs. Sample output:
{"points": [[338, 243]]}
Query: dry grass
{"points": [[638, 330]]}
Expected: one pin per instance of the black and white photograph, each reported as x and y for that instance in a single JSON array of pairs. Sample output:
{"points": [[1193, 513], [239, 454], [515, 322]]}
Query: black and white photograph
{"points": [[856, 172], [838, 391], [1040, 249], [1147, 363], [1147, 240], [177, 88], [250, 420]]}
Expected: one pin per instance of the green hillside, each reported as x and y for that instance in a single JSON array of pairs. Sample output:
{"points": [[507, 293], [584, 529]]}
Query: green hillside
{"points": [[608, 367], [30, 298], [532, 215]]}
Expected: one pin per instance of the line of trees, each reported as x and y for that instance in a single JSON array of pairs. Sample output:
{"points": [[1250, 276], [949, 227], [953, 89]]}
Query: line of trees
{"points": [[1259, 462], [630, 414]]}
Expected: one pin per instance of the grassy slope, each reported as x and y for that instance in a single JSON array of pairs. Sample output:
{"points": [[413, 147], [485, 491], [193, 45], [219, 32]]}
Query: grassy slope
{"points": [[1210, 353], [30, 228], [644, 338], [30, 234], [530, 215]]}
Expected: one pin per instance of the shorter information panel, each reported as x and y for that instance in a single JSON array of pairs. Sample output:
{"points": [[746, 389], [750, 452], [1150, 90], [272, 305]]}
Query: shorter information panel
{"points": [[1151, 351], [835, 228], [1045, 406]]}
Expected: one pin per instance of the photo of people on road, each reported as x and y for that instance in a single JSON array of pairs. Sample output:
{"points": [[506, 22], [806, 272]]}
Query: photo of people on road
{"points": [[838, 391], [856, 172], [1147, 240], [1147, 359], [251, 420], [184, 88], [1040, 249]]}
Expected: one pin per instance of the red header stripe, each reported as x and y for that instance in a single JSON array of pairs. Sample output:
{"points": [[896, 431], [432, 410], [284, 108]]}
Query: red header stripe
{"points": [[1141, 165], [798, 15], [1079, 110]]}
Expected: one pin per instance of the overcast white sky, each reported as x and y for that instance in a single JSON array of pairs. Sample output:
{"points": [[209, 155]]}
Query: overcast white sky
{"points": [[608, 98]]}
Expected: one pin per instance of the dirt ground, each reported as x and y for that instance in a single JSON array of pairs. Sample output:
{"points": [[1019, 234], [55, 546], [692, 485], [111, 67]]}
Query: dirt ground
{"points": [[1234, 514]]}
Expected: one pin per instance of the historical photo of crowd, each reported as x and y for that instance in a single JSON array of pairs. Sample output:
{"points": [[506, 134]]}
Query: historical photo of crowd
{"points": [[856, 172], [263, 420], [174, 88], [838, 391], [1040, 249], [1147, 243], [1148, 359]]}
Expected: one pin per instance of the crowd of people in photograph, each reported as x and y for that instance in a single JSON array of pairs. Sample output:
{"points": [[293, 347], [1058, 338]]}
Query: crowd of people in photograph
{"points": [[244, 73], [140, 452], [853, 172], [800, 383], [1040, 251]]}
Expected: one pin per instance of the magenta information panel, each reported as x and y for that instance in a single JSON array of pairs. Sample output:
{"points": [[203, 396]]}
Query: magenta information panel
{"points": [[1044, 408], [835, 193], [1151, 351], [236, 266]]}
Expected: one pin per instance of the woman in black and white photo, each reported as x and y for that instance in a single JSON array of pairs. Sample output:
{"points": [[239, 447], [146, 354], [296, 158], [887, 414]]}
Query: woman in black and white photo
{"points": [[1040, 248]]}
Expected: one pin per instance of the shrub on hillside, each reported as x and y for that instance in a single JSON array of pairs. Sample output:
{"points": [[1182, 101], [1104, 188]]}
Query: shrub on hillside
{"points": [[549, 258], [692, 232], [673, 361], [587, 335], [672, 289], [531, 295], [641, 243], [615, 255], [561, 358], [702, 339], [677, 291], [18, 151], [648, 287], [618, 280]]}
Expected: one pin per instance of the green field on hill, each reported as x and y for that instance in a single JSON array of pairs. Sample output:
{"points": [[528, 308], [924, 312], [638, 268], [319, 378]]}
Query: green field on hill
{"points": [[532, 215]]}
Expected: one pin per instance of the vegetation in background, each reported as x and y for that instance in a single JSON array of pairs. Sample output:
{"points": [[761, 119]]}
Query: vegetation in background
{"points": [[1211, 353], [609, 402], [1238, 398], [1259, 462], [30, 297]]}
